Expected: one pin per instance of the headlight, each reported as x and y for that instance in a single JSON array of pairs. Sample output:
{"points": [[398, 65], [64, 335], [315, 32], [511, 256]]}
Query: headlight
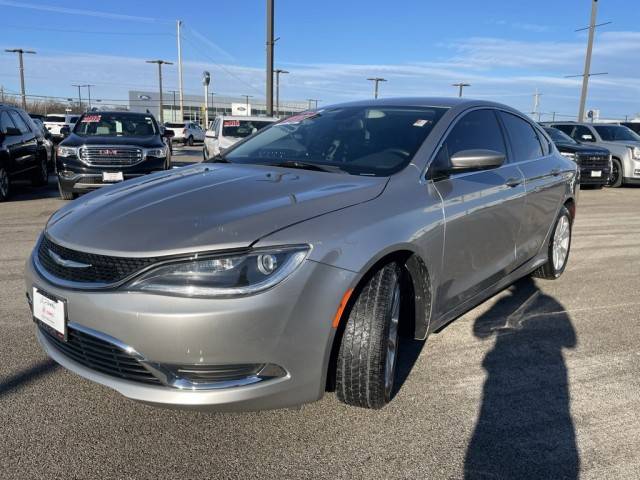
{"points": [[156, 152], [67, 151], [636, 153], [569, 155], [220, 276]]}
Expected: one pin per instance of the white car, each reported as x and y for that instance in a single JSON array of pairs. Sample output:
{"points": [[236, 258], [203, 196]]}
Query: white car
{"points": [[225, 131], [53, 122], [186, 132]]}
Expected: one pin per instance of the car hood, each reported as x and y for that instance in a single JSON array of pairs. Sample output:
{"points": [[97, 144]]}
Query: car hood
{"points": [[619, 143], [74, 140], [203, 207], [581, 148]]}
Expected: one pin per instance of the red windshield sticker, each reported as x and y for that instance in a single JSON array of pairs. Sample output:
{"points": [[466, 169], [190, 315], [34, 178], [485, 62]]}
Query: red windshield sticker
{"points": [[299, 118], [231, 123], [421, 122], [91, 119]]}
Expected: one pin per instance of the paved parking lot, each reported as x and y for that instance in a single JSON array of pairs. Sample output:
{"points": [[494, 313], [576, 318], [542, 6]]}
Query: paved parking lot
{"points": [[542, 381]]}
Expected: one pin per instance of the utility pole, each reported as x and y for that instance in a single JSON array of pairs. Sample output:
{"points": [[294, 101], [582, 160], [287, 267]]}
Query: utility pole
{"points": [[553, 116], [89, 93], [20, 52], [376, 81], [206, 80], [460, 86], [178, 25], [247, 97], [79, 96], [160, 63], [270, 42], [536, 104], [587, 61], [278, 72], [315, 101]]}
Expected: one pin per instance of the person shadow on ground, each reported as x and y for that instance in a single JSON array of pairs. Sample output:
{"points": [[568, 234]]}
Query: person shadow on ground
{"points": [[524, 429]]}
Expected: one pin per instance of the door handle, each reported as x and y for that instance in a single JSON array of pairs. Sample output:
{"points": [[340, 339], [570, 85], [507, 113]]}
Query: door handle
{"points": [[513, 182], [555, 172]]}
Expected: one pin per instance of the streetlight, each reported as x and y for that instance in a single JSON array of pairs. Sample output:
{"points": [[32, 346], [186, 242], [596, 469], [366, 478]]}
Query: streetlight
{"points": [[460, 86], [160, 63], [247, 97], [278, 72], [20, 52], [206, 79], [376, 81], [89, 92]]}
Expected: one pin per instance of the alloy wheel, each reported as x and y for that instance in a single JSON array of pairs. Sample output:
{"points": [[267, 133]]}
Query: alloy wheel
{"points": [[392, 342], [4, 184], [561, 240]]}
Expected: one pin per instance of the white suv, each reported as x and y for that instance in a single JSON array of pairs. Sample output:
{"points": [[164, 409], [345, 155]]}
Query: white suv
{"points": [[186, 132], [53, 122], [228, 130]]}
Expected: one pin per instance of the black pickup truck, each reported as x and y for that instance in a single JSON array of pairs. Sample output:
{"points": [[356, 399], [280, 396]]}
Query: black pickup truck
{"points": [[594, 162], [107, 147]]}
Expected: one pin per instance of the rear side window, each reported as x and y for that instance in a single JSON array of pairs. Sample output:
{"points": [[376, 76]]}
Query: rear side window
{"points": [[476, 130], [583, 134], [568, 129], [524, 138], [20, 123], [5, 122], [54, 118]]}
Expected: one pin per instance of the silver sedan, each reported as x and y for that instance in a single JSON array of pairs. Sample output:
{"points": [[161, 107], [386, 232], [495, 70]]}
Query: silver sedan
{"points": [[292, 264]]}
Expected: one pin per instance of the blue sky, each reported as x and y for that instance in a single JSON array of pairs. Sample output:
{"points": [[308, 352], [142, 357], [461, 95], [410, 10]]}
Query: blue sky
{"points": [[505, 49]]}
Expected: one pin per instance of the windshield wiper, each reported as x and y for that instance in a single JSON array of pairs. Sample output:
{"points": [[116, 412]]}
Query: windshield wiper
{"points": [[307, 166]]}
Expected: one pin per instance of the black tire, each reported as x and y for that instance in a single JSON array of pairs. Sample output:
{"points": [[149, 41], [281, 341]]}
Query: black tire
{"points": [[40, 176], [615, 179], [190, 141], [205, 157], [65, 194], [550, 270], [363, 377], [5, 185]]}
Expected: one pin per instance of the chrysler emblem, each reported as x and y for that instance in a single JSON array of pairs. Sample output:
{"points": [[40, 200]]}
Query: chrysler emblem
{"points": [[63, 262]]}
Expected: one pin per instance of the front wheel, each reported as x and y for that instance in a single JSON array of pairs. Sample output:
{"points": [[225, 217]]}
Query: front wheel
{"points": [[190, 141], [615, 179], [558, 249], [40, 176], [366, 364], [5, 184], [65, 194]]}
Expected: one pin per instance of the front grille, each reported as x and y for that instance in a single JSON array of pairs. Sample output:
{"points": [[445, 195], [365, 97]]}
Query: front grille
{"points": [[99, 355], [593, 162], [103, 269], [111, 156]]}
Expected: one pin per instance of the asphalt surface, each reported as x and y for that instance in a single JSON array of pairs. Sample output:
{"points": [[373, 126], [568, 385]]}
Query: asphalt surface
{"points": [[541, 381]]}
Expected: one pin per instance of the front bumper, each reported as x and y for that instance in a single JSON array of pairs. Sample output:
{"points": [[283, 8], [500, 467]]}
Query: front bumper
{"points": [[288, 326], [75, 176]]}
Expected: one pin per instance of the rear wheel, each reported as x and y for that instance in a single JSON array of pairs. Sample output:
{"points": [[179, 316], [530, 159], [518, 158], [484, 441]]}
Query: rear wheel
{"points": [[5, 184], [40, 176], [190, 141], [615, 180], [366, 364], [558, 249]]}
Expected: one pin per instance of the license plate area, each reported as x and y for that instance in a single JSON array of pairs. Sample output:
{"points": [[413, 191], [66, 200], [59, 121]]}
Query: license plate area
{"points": [[50, 311], [596, 173], [109, 177]]}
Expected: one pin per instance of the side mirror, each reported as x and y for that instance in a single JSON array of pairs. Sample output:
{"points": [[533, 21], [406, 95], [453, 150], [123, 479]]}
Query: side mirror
{"points": [[65, 131], [476, 160], [12, 132]]}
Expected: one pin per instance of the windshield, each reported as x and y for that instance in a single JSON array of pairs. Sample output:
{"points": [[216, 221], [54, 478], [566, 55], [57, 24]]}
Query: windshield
{"points": [[174, 125], [612, 133], [378, 140], [559, 136], [242, 128], [115, 124], [54, 118]]}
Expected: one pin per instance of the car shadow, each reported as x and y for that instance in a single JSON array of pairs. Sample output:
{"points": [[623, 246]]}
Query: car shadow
{"points": [[524, 428], [22, 190], [27, 376]]}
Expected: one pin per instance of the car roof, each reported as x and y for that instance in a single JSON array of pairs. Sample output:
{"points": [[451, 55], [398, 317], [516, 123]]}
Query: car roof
{"points": [[247, 117], [448, 102]]}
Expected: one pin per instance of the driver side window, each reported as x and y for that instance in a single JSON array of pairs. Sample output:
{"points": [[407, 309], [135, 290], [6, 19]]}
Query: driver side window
{"points": [[477, 130]]}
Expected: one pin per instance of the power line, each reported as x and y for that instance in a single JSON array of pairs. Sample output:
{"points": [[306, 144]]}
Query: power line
{"points": [[88, 32]]}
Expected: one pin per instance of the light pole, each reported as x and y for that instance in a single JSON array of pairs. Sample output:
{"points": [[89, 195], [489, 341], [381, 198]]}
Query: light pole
{"points": [[206, 79], [270, 42], [20, 52], [160, 63], [460, 86], [278, 72], [79, 96], [89, 93], [314, 100], [247, 97], [376, 81]]}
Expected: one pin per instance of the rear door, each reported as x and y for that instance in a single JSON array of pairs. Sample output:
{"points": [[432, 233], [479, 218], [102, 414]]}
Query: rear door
{"points": [[482, 210], [12, 143], [28, 143], [544, 183]]}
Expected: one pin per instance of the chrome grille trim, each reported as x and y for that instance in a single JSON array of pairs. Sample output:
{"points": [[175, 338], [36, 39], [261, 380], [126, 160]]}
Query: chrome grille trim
{"points": [[110, 155]]}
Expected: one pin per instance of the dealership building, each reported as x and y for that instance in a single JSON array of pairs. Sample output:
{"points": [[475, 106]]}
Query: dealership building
{"points": [[142, 101]]}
